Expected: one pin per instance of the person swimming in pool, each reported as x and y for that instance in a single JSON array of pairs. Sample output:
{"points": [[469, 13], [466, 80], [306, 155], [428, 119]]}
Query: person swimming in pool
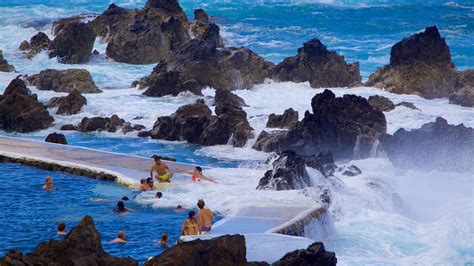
{"points": [[144, 186], [49, 183], [196, 175], [120, 238], [121, 208], [162, 171], [61, 229]]}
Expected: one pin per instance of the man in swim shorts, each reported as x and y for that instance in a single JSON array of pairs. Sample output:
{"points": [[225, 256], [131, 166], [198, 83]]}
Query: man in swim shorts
{"points": [[162, 171]]}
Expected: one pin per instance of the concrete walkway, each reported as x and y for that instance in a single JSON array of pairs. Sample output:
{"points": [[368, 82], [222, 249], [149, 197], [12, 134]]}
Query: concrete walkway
{"points": [[258, 224]]}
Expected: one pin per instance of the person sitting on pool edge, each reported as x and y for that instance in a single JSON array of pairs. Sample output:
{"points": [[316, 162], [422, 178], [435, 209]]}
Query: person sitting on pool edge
{"points": [[121, 208], [49, 183], [162, 170], [196, 174], [190, 226], [120, 238], [61, 229], [144, 186]]}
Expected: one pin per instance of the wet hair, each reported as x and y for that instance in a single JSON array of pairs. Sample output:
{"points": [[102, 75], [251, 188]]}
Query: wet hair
{"points": [[48, 178], [149, 180], [124, 198], [159, 195], [201, 203], [156, 158], [61, 227], [164, 237], [199, 169], [121, 234], [142, 181], [179, 207], [191, 214], [120, 207]]}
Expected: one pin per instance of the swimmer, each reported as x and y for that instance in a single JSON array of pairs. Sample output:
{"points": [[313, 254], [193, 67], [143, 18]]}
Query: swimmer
{"points": [[61, 229], [149, 182], [190, 226], [143, 185], [179, 208], [196, 174], [120, 238], [121, 208], [162, 171], [159, 195], [49, 183], [164, 240], [124, 198]]}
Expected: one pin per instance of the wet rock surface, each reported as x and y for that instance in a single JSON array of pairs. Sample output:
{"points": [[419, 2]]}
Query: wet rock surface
{"points": [[68, 105], [73, 44], [56, 138], [286, 120], [20, 111], [421, 65], [436, 145], [407, 105], [464, 94], [347, 126], [37, 44], [314, 255], [4, 66], [321, 67], [64, 81], [81, 246], [200, 25], [381, 103]]}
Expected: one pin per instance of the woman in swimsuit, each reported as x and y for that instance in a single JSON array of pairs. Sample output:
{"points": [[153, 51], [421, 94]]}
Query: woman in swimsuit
{"points": [[196, 174]]}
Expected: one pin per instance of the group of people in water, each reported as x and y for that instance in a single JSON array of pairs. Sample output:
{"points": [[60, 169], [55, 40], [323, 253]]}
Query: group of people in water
{"points": [[193, 225]]}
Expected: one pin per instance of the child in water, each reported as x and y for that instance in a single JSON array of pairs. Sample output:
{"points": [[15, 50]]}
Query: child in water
{"points": [[149, 182], [61, 229], [49, 183]]}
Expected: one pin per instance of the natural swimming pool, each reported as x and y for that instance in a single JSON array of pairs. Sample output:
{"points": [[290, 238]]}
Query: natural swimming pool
{"points": [[30, 215]]}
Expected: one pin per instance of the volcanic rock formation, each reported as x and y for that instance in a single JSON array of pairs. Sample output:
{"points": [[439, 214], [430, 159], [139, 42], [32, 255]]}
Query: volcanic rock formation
{"points": [[64, 81]]}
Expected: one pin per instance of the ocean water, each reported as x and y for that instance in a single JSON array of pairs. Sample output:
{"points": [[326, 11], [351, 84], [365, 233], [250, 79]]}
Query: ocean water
{"points": [[384, 216]]}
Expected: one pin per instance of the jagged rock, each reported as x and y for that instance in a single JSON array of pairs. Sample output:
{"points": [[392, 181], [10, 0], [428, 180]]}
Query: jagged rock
{"points": [[314, 255], [200, 24], [68, 105], [226, 97], [407, 105], [59, 24], [268, 141], [68, 127], [111, 21], [73, 44], [289, 118], [202, 62], [196, 124], [436, 145], [111, 124], [128, 127], [64, 81], [420, 64], [166, 9], [347, 126], [381, 103], [224, 250], [37, 44], [81, 246], [56, 138], [4, 66], [350, 170], [464, 94], [316, 64], [20, 111], [144, 134]]}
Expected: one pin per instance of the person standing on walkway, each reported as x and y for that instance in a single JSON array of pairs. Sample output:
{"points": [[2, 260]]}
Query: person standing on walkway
{"points": [[205, 218]]}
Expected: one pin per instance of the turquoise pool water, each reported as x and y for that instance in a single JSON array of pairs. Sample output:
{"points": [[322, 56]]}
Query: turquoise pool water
{"points": [[30, 215]]}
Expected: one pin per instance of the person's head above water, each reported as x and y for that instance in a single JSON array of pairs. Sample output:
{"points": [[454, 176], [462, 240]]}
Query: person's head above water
{"points": [[121, 234], [49, 179], [143, 181], [124, 198], [191, 214], [156, 158], [159, 195], [61, 227], [201, 203], [149, 180], [197, 170], [179, 207], [121, 207]]}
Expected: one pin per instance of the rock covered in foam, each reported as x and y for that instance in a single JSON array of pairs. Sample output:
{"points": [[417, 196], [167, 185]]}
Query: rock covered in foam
{"points": [[314, 255], [436, 145], [38, 43], [420, 64], [68, 105], [81, 246], [4, 66], [73, 44], [381, 103], [56, 138], [286, 120], [20, 111], [321, 67], [347, 126], [67, 80]]}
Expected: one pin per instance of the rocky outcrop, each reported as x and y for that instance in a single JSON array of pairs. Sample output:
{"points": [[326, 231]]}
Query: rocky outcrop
{"points": [[200, 25], [196, 124], [381, 103], [347, 126], [435, 145], [314, 255], [20, 111], [464, 94], [59, 24], [73, 44], [82, 246], [223, 250], [225, 97], [68, 127], [201, 62], [321, 67], [56, 138], [421, 65], [68, 105], [111, 21], [4, 66], [37, 44], [111, 124], [289, 171], [349, 170], [407, 105], [64, 81], [286, 120]]}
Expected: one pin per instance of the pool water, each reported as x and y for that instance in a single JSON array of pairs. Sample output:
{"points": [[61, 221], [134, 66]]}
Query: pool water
{"points": [[33, 214]]}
